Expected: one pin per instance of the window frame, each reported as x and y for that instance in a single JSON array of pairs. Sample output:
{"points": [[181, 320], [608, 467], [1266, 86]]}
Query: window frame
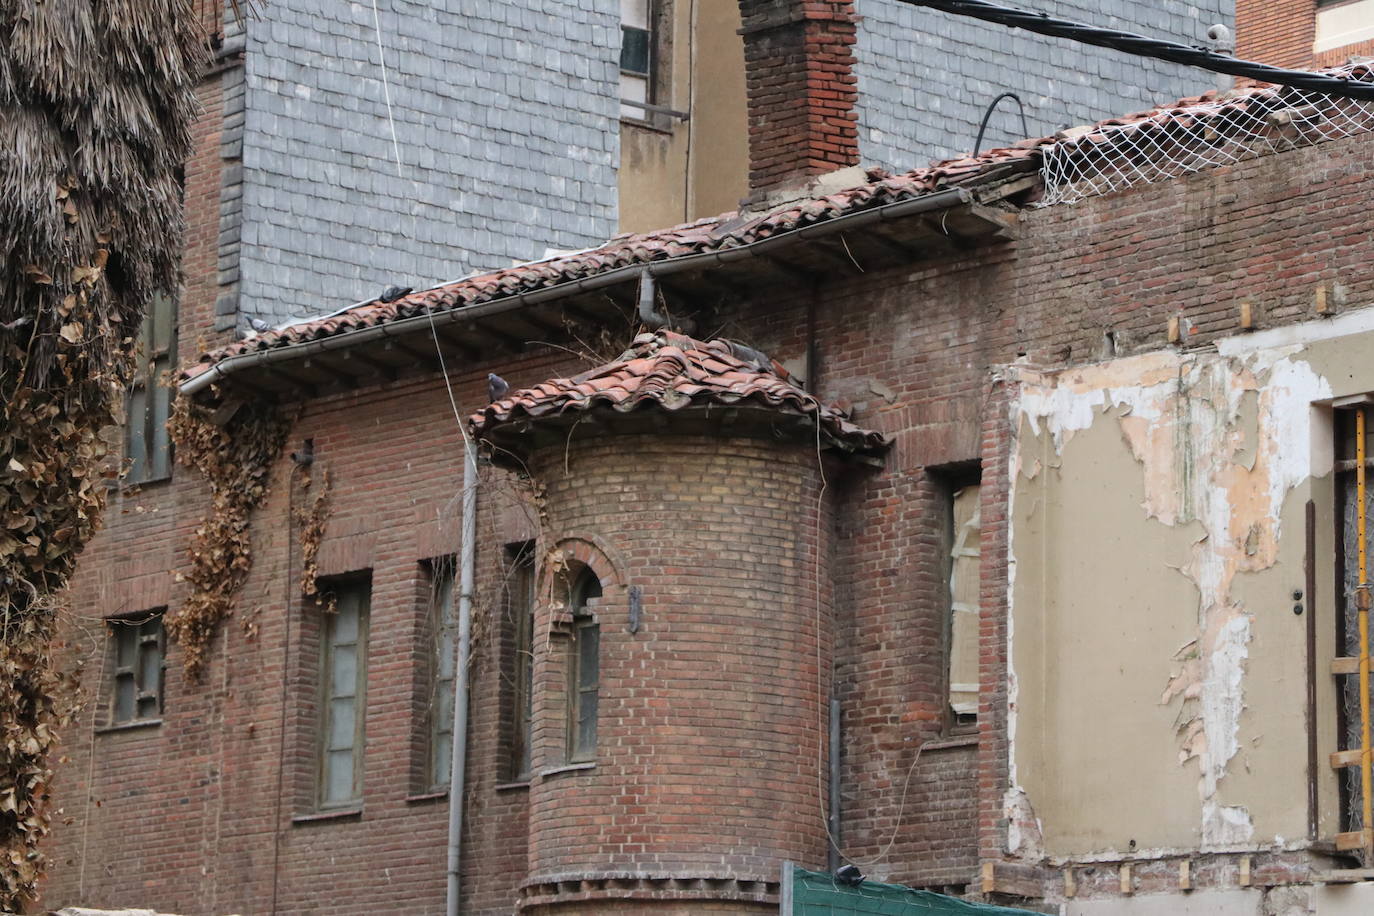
{"points": [[657, 30], [137, 624], [519, 718], [342, 591], [580, 694], [155, 351], [443, 610], [948, 482]]}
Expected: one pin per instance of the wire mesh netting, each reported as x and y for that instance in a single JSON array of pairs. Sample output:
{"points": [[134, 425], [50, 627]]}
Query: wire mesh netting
{"points": [[1100, 159]]}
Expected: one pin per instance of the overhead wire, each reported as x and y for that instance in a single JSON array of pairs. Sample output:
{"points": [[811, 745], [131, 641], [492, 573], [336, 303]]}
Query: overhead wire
{"points": [[1157, 48]]}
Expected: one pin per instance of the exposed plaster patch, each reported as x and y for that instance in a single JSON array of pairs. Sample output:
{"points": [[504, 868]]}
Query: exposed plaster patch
{"points": [[1024, 836], [1221, 440]]}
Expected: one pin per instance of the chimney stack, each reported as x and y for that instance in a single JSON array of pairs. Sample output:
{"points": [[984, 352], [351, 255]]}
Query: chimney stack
{"points": [[799, 73]]}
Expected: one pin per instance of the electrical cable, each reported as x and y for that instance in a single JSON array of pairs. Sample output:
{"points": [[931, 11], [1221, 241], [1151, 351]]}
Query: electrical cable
{"points": [[1141, 46], [987, 116]]}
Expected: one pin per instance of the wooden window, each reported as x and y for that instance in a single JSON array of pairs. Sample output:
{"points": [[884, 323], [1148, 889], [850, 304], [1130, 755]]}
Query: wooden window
{"points": [[445, 668], [139, 648], [642, 56], [147, 444], [964, 557], [343, 695], [584, 669], [519, 646]]}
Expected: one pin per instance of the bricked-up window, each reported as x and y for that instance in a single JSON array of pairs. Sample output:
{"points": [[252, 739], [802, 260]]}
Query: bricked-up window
{"points": [[343, 668], [958, 490], [518, 651], [1343, 22], [139, 657], [147, 444], [584, 669], [445, 667]]}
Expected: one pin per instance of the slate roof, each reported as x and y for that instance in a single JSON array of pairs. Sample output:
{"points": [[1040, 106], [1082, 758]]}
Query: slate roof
{"points": [[671, 371], [732, 230]]}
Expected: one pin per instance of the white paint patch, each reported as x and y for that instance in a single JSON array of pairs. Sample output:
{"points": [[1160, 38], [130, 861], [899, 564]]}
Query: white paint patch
{"points": [[1182, 417]]}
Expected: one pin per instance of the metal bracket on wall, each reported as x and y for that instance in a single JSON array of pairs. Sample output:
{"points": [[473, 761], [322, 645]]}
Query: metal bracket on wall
{"points": [[636, 607]]}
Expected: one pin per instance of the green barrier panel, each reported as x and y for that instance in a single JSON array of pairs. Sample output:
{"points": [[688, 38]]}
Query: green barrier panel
{"points": [[819, 894]]}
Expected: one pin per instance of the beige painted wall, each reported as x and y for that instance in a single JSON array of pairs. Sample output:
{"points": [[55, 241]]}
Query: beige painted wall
{"points": [[699, 167], [1200, 903], [1158, 534]]}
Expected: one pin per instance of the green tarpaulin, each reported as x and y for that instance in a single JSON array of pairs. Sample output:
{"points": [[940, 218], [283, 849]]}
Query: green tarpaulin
{"points": [[818, 894]]}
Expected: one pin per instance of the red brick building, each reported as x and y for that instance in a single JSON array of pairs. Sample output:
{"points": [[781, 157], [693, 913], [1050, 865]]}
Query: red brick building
{"points": [[999, 462]]}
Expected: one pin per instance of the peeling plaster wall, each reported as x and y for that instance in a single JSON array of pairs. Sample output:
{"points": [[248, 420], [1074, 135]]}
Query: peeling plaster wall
{"points": [[1158, 672]]}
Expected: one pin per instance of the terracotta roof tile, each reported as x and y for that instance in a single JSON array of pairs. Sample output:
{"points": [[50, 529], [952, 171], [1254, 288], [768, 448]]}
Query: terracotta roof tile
{"points": [[671, 371], [732, 230]]}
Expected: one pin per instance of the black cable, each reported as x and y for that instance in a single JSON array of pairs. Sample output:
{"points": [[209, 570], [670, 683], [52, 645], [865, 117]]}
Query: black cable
{"points": [[1025, 127], [1141, 46]]}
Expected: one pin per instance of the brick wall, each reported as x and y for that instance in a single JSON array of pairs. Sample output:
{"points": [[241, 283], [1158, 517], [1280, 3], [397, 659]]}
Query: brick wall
{"points": [[188, 818], [708, 738], [1276, 32], [798, 67]]}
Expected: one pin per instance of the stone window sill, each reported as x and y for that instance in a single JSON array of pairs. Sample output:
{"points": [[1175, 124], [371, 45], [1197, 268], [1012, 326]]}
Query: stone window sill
{"points": [[128, 726], [317, 817], [566, 768], [940, 744], [422, 797]]}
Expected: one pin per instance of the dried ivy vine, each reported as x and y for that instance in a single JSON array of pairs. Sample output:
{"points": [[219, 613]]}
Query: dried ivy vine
{"points": [[313, 519], [235, 455], [96, 101]]}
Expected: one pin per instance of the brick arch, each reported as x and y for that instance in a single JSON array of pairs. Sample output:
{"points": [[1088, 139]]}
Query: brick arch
{"points": [[592, 551]]}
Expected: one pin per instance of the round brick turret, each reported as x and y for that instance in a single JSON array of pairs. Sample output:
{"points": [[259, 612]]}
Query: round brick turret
{"points": [[701, 530]]}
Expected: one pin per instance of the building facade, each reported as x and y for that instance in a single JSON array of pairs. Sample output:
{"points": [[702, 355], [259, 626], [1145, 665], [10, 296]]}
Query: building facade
{"points": [[984, 576]]}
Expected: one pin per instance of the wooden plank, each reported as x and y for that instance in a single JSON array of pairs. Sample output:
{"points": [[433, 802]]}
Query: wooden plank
{"points": [[1352, 840], [1185, 875], [1013, 879], [1245, 871], [1345, 665], [1350, 758], [1343, 875], [1127, 885]]}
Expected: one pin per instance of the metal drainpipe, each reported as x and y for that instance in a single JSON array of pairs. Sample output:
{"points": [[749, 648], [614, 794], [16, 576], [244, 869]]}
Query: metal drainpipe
{"points": [[467, 562]]}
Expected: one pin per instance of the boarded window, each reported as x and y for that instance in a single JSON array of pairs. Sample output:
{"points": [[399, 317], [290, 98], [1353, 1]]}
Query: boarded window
{"points": [[584, 669], [343, 691], [519, 648], [963, 606], [445, 667], [147, 444], [139, 648]]}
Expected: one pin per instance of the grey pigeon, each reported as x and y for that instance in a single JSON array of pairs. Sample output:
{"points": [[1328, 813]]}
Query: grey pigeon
{"points": [[392, 293], [496, 386], [258, 324]]}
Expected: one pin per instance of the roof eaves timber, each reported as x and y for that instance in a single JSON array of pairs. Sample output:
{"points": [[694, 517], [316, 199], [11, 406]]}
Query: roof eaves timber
{"points": [[199, 378]]}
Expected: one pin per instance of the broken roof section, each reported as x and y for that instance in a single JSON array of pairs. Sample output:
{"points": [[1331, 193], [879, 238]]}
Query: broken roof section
{"points": [[668, 371], [957, 189]]}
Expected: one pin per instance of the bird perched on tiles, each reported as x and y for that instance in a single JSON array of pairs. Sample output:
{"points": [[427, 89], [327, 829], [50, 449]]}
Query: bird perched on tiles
{"points": [[392, 293], [258, 324], [496, 386]]}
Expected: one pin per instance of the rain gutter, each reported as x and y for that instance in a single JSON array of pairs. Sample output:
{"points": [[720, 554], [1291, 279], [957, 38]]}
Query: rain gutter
{"points": [[940, 200]]}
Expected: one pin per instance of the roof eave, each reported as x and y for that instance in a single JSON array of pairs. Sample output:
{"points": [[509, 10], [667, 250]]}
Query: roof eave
{"points": [[226, 369]]}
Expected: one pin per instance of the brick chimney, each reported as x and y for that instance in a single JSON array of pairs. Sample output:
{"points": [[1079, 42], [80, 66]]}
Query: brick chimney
{"points": [[799, 72]]}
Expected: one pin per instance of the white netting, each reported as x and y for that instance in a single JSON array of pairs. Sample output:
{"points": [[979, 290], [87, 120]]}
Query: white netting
{"points": [[1103, 158]]}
